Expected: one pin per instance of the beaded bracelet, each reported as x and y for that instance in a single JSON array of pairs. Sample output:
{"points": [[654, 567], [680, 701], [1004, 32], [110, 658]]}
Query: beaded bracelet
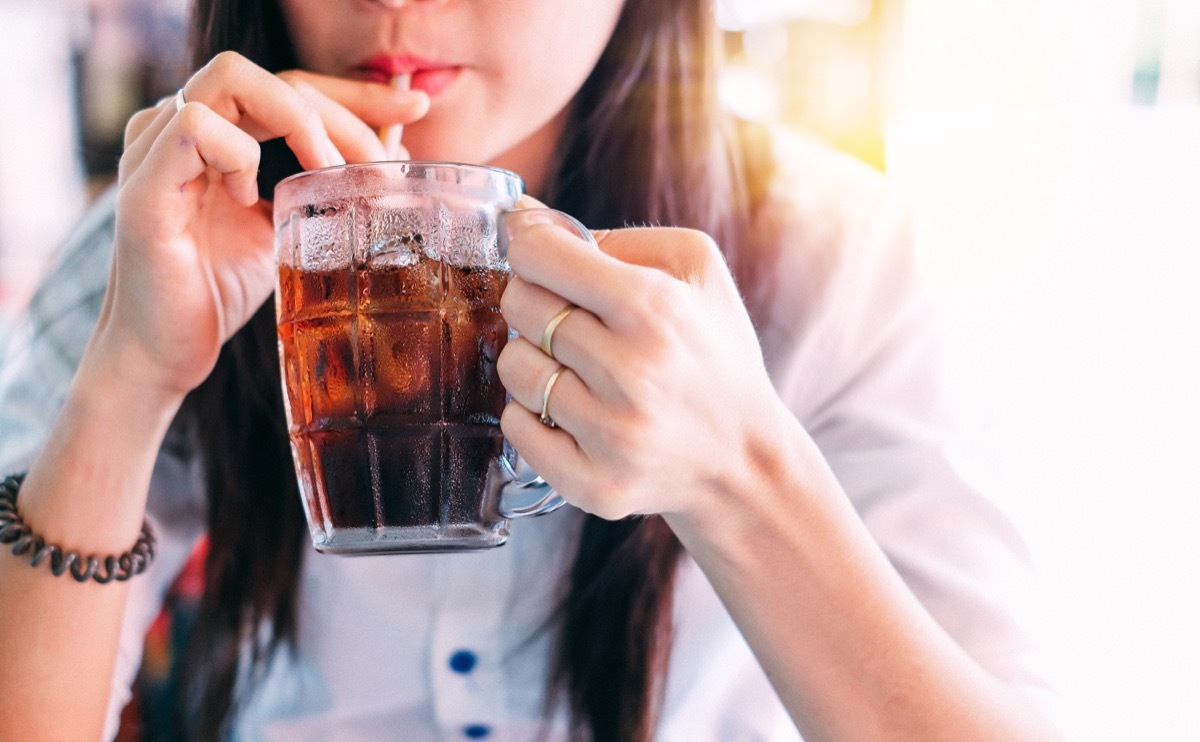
{"points": [[13, 530]]}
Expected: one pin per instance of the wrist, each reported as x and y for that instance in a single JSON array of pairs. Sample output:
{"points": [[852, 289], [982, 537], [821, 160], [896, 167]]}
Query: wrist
{"points": [[122, 414], [87, 489], [777, 474], [113, 380]]}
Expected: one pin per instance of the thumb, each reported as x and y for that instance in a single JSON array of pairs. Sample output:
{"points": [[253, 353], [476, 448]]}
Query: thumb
{"points": [[685, 254], [561, 218]]}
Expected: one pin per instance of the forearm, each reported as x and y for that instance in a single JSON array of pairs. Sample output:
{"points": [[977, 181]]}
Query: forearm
{"points": [[86, 492], [849, 649]]}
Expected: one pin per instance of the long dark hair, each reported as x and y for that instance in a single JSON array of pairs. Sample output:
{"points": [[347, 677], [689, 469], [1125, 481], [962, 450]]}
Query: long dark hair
{"points": [[645, 145]]}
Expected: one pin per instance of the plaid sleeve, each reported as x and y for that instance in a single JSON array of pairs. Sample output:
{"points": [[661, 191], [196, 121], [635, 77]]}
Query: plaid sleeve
{"points": [[45, 346], [35, 373]]}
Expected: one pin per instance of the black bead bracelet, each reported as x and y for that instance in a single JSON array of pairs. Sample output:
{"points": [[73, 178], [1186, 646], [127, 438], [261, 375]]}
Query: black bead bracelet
{"points": [[13, 530]]}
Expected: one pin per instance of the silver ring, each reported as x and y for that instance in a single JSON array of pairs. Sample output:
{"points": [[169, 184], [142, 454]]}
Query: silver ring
{"points": [[548, 334], [545, 416], [179, 101]]}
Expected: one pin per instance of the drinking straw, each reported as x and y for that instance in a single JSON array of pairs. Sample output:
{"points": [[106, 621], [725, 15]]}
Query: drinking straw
{"points": [[390, 135]]}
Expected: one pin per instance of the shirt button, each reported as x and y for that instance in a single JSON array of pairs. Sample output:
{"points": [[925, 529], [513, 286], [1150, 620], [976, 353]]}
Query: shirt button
{"points": [[463, 661], [476, 731]]}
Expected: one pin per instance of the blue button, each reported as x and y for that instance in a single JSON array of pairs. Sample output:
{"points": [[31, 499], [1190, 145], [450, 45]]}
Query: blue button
{"points": [[477, 731], [463, 661]]}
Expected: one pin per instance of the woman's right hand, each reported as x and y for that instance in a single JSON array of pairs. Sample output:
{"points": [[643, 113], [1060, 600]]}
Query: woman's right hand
{"points": [[193, 260], [193, 255]]}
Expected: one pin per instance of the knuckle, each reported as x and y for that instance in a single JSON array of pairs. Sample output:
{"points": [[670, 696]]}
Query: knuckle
{"points": [[604, 497], [619, 441], [630, 318], [642, 394], [508, 301], [303, 87], [504, 365], [250, 151], [227, 63], [137, 124], [699, 255], [655, 326], [192, 118], [700, 243], [508, 417], [310, 120], [295, 78], [663, 298], [698, 248]]}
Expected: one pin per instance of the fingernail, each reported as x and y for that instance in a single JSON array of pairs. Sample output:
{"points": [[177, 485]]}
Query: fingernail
{"points": [[529, 202], [519, 219], [332, 156], [513, 222]]}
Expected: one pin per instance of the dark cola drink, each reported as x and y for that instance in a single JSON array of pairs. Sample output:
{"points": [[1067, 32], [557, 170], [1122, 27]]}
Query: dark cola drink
{"points": [[394, 403]]}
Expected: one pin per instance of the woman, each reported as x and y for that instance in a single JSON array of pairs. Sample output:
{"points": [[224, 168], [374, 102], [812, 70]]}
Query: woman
{"points": [[813, 564]]}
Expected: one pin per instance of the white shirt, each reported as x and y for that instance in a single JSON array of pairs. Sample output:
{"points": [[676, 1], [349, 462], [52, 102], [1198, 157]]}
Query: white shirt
{"points": [[448, 647]]}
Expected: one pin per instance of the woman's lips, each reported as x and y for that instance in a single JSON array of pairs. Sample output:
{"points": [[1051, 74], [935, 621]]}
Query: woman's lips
{"points": [[427, 75], [433, 81]]}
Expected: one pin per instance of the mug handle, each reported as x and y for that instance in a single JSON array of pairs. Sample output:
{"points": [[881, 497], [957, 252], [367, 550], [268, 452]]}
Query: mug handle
{"points": [[548, 500]]}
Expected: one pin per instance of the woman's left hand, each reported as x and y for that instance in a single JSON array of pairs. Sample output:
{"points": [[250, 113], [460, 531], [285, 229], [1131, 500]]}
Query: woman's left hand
{"points": [[664, 391]]}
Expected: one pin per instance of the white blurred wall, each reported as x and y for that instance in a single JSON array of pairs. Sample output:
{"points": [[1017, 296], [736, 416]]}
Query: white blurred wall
{"points": [[41, 181], [1059, 224], [1065, 247]]}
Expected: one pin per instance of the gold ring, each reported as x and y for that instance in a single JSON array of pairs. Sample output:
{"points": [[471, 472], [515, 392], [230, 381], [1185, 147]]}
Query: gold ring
{"points": [[179, 101], [545, 416], [548, 335]]}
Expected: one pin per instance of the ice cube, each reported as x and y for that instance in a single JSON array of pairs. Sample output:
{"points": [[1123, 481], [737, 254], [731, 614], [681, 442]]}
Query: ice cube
{"points": [[471, 388], [399, 236], [325, 356], [326, 237], [471, 238], [400, 366]]}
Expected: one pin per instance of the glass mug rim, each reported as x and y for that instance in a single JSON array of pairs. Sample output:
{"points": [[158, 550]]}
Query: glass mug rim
{"points": [[495, 188], [429, 167]]}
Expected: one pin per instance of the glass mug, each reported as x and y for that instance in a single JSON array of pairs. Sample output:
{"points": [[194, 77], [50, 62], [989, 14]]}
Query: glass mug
{"points": [[388, 315]]}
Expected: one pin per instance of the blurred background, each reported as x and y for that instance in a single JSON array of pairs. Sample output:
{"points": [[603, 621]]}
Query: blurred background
{"points": [[1050, 150]]}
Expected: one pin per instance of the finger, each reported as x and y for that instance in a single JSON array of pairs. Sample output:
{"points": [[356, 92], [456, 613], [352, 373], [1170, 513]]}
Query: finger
{"points": [[198, 139], [557, 457], [374, 103], [148, 119], [352, 111], [356, 141], [141, 131], [683, 254], [688, 259], [545, 254], [580, 340], [529, 202], [264, 106], [552, 452], [526, 373]]}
